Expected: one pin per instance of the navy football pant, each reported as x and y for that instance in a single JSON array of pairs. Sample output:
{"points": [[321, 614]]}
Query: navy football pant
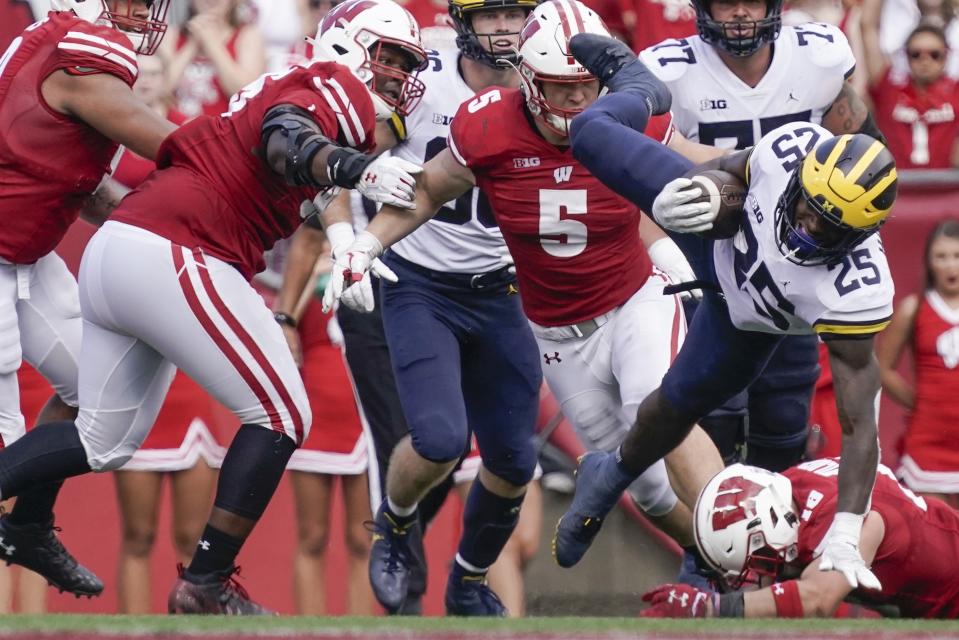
{"points": [[464, 360]]}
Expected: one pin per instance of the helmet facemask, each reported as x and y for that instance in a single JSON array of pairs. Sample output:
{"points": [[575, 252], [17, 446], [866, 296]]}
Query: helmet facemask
{"points": [[849, 184], [739, 38], [555, 118], [145, 33], [482, 46], [411, 87]]}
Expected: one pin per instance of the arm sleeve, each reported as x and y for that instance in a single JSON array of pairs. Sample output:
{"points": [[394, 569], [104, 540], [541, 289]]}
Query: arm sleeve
{"points": [[606, 139]]}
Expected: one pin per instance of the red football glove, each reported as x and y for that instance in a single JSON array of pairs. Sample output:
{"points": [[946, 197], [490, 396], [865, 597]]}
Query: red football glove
{"points": [[677, 601]]}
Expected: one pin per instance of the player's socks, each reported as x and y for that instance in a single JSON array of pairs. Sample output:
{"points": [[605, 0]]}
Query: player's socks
{"points": [[48, 453], [215, 553], [35, 504], [488, 522]]}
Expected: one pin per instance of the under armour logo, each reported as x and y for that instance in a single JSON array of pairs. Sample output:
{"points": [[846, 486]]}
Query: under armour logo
{"points": [[8, 549], [552, 358], [371, 178], [204, 544], [778, 589], [563, 174], [683, 598]]}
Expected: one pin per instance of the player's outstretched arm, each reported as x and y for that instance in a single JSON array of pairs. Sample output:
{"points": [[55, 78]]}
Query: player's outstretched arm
{"points": [[293, 144], [442, 180], [106, 103], [607, 139], [856, 376]]}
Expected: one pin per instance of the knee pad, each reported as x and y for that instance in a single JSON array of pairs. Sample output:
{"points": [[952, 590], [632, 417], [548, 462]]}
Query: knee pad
{"points": [[437, 440], [516, 467], [652, 492]]}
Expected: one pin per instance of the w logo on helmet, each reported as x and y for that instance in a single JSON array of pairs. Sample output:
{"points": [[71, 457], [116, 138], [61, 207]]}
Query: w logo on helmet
{"points": [[344, 13], [735, 501]]}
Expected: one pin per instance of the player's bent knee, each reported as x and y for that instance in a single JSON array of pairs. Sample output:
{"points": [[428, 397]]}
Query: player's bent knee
{"points": [[438, 441], [652, 492]]}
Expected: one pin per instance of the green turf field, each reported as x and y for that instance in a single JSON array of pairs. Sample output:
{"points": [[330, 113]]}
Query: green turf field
{"points": [[74, 627]]}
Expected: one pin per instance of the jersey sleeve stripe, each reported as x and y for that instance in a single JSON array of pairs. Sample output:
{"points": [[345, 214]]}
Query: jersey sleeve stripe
{"points": [[79, 35], [350, 110], [841, 327], [345, 126], [100, 52], [455, 151]]}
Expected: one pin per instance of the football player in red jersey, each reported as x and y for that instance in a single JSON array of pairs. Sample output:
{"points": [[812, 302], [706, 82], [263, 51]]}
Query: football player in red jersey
{"points": [[755, 525], [595, 302], [164, 284], [66, 104]]}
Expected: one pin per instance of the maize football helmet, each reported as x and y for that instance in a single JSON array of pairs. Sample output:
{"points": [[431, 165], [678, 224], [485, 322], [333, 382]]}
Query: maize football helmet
{"points": [[745, 524], [849, 182]]}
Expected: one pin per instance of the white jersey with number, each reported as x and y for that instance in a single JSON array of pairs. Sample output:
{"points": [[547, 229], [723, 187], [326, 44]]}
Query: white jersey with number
{"points": [[765, 291], [463, 237], [713, 106]]}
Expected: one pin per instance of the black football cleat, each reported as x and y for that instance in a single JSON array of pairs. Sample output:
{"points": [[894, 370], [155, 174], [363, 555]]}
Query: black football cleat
{"points": [[392, 558], [618, 69], [36, 547], [216, 593], [467, 594]]}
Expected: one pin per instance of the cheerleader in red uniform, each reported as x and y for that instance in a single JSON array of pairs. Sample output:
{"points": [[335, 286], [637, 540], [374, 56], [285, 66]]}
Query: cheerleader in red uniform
{"points": [[928, 325], [185, 445], [212, 56]]}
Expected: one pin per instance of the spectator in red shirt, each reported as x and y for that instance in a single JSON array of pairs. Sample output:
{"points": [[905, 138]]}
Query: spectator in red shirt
{"points": [[916, 111], [651, 21]]}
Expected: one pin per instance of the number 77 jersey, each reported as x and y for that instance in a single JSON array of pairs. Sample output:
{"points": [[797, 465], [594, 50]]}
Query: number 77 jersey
{"points": [[766, 292]]}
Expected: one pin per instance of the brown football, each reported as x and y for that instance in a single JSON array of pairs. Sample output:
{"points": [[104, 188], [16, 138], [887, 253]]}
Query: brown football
{"points": [[727, 192]]}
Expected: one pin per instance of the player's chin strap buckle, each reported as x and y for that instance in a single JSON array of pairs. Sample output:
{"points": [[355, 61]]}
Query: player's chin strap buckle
{"points": [[705, 285]]}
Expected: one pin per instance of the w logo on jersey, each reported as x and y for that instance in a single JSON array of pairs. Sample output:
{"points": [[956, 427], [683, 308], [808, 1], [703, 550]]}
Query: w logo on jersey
{"points": [[562, 174]]}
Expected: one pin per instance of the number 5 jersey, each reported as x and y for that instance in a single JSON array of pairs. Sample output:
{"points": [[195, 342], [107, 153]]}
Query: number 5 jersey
{"points": [[765, 291]]}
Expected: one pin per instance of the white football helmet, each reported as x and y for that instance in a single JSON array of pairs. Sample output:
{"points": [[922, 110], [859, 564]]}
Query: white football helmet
{"points": [[144, 33], [545, 56], [353, 34], [745, 523]]}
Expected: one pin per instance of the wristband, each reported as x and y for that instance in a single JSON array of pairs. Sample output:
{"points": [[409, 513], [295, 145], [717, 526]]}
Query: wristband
{"points": [[847, 527], [664, 253], [731, 605], [285, 318], [345, 166], [787, 599]]}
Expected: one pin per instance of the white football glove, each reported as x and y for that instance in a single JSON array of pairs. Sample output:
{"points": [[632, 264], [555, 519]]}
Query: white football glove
{"points": [[673, 209], [841, 552], [390, 180], [668, 258], [350, 280]]}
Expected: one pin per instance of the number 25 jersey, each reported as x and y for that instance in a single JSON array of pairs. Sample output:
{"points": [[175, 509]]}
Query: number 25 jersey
{"points": [[713, 106], [766, 292]]}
